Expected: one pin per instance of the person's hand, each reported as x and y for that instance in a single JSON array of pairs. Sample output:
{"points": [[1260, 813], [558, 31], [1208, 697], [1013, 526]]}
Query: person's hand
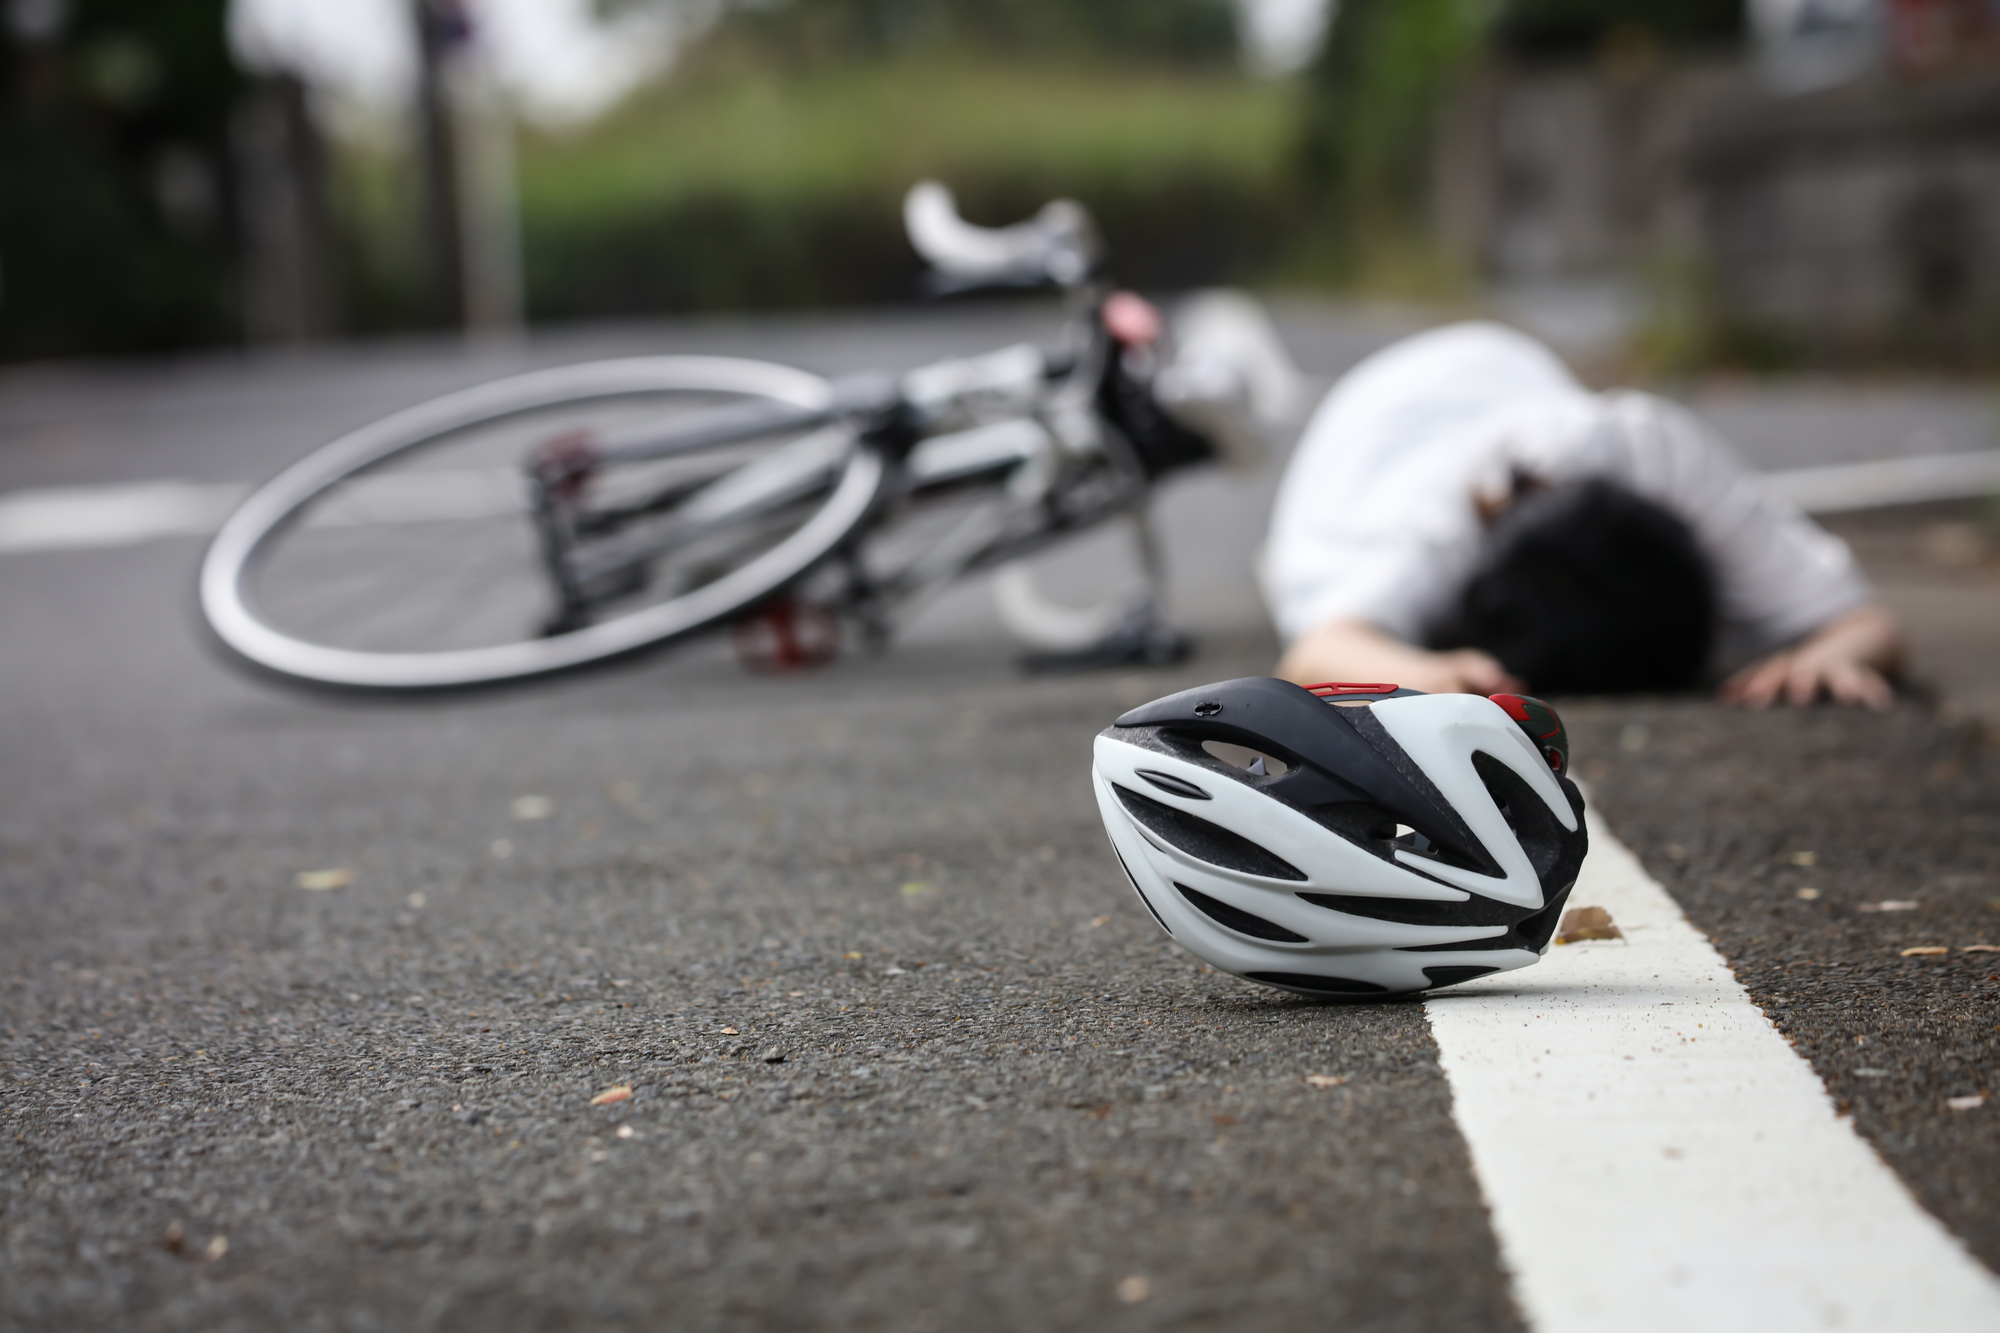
{"points": [[1460, 671], [1801, 675], [1354, 650], [1848, 660]]}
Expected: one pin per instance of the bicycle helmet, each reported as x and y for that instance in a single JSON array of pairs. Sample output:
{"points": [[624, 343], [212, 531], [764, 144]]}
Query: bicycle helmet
{"points": [[1345, 840]]}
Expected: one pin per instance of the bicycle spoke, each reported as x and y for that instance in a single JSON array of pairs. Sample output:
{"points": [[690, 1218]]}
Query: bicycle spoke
{"points": [[355, 587], [454, 608], [379, 631]]}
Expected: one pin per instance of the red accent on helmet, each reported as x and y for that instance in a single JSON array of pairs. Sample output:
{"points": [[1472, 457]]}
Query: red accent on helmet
{"points": [[1326, 687], [1517, 708]]}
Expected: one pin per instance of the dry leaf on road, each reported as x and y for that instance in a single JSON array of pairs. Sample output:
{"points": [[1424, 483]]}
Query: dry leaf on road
{"points": [[319, 881], [1587, 923], [1325, 1080], [609, 1096], [1924, 951]]}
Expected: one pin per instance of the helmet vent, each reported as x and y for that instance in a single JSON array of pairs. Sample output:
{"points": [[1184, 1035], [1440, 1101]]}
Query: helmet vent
{"points": [[1309, 981], [1202, 840], [1530, 930], [1473, 911], [1247, 760], [1451, 976], [1237, 919], [1174, 786], [1554, 851], [1380, 833], [1453, 843]]}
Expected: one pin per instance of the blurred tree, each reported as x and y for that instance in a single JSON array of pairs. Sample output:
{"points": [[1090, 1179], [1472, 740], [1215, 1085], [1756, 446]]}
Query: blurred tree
{"points": [[1193, 32], [1389, 66], [114, 177], [1372, 99]]}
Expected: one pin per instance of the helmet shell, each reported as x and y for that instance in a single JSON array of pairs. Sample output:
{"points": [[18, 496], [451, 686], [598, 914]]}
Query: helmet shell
{"points": [[1376, 843]]}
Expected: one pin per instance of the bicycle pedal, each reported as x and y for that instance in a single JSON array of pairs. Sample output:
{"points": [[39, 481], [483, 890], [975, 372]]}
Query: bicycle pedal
{"points": [[784, 635]]}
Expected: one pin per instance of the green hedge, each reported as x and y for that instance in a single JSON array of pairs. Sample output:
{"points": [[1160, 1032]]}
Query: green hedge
{"points": [[743, 189]]}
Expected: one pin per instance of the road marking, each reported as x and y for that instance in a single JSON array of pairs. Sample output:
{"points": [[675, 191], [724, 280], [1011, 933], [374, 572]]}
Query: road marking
{"points": [[79, 517], [1656, 1156], [74, 517], [1843, 487]]}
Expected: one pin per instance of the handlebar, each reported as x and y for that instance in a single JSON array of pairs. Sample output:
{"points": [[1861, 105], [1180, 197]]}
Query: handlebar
{"points": [[1058, 245]]}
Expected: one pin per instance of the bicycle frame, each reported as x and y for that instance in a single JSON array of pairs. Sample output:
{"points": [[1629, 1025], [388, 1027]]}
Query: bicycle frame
{"points": [[858, 498], [1028, 424]]}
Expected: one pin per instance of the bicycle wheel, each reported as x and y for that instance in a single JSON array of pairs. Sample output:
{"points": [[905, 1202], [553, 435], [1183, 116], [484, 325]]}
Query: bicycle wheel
{"points": [[405, 555]]}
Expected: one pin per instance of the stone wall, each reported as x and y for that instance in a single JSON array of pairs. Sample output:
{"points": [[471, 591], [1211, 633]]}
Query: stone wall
{"points": [[1859, 222]]}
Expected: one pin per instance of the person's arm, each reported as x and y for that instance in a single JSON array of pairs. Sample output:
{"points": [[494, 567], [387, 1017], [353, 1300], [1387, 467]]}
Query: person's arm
{"points": [[1849, 659], [1354, 650]]}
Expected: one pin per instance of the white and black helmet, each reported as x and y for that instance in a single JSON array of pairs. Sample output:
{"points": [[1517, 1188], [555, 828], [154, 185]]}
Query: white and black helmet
{"points": [[1345, 840]]}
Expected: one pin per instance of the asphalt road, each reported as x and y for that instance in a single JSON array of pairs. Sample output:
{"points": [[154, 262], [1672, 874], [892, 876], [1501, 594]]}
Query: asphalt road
{"points": [[903, 1051]]}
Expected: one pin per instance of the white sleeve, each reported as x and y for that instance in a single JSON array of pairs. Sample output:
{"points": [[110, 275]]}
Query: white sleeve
{"points": [[1385, 540], [1375, 518], [1778, 574], [1399, 582]]}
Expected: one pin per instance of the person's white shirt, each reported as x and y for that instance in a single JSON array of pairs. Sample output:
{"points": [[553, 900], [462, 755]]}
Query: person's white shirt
{"points": [[1377, 517]]}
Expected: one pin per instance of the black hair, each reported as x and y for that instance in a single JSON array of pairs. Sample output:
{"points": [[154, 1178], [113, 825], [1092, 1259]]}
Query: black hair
{"points": [[1586, 587]]}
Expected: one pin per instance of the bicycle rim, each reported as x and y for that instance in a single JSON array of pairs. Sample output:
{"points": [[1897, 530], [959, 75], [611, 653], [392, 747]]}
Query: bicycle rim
{"points": [[403, 556]]}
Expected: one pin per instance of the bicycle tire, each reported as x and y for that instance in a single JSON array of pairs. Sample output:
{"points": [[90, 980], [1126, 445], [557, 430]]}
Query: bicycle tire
{"points": [[280, 519]]}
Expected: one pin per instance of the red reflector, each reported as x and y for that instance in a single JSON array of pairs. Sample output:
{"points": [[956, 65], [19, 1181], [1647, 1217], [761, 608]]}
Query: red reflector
{"points": [[1131, 320]]}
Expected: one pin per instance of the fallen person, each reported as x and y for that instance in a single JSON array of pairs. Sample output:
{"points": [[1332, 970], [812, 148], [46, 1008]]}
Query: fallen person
{"points": [[1462, 515]]}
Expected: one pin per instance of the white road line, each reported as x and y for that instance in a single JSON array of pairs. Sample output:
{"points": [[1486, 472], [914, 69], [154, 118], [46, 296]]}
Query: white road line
{"points": [[1657, 1157], [1843, 487], [78, 517], [73, 517]]}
